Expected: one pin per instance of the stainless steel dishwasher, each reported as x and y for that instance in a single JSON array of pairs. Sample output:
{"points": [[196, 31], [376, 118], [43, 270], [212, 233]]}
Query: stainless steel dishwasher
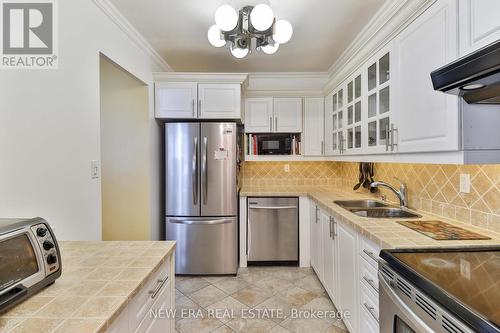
{"points": [[273, 229]]}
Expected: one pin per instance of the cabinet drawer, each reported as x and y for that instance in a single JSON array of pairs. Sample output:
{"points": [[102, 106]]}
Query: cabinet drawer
{"points": [[367, 323], [369, 251], [163, 303], [143, 300], [368, 275], [369, 302]]}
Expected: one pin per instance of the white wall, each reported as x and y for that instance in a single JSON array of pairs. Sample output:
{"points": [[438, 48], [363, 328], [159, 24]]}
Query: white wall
{"points": [[49, 125]]}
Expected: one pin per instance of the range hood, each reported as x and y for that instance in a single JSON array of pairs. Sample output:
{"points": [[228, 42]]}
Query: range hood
{"points": [[475, 77]]}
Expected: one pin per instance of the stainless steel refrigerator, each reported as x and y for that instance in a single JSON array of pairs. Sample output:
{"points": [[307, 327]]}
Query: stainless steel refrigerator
{"points": [[201, 196]]}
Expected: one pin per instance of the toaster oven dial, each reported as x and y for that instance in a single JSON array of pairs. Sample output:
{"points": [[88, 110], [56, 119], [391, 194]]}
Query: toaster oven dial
{"points": [[51, 259], [41, 232], [47, 245]]}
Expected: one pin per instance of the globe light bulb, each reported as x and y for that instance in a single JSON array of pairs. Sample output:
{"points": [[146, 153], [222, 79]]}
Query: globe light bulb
{"points": [[214, 36], [270, 49], [226, 18], [262, 17], [239, 53], [283, 31]]}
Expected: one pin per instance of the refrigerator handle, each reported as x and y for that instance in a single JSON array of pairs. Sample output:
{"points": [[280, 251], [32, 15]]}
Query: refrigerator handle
{"points": [[195, 171], [204, 171]]}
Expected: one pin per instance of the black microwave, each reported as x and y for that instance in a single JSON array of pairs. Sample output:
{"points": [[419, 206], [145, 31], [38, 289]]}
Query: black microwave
{"points": [[276, 144]]}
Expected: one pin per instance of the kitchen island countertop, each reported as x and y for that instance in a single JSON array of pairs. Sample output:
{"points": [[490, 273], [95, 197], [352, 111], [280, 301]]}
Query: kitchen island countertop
{"points": [[98, 279]]}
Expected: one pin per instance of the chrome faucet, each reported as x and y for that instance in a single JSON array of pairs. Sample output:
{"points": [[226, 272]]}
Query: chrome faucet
{"points": [[401, 194]]}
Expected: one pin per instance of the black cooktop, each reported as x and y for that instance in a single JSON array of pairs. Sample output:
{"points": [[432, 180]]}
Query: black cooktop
{"points": [[466, 281]]}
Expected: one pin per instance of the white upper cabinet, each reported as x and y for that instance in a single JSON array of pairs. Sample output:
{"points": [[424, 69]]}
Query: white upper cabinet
{"points": [[378, 113], [330, 149], [313, 139], [193, 100], [279, 115], [479, 24], [219, 101], [176, 100], [354, 107], [259, 115], [338, 121], [288, 115], [427, 120]]}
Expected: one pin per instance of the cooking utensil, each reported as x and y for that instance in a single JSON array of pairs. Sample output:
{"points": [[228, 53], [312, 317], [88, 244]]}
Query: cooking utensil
{"points": [[366, 175], [360, 178], [372, 189]]}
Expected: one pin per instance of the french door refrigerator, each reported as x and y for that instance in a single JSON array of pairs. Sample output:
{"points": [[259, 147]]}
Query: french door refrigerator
{"points": [[201, 196]]}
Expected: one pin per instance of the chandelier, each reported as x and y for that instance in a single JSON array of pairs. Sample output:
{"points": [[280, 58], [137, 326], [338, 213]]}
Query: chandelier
{"points": [[251, 26]]}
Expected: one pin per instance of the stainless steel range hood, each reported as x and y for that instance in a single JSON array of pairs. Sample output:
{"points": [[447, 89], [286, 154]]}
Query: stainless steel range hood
{"points": [[475, 77]]}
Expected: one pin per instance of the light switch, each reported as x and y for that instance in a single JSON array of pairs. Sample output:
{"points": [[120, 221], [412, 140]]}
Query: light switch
{"points": [[287, 167], [95, 169], [464, 183]]}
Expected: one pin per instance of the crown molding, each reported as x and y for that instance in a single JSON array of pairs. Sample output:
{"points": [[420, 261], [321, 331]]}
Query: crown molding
{"points": [[290, 75], [387, 23], [112, 12], [240, 78], [283, 93]]}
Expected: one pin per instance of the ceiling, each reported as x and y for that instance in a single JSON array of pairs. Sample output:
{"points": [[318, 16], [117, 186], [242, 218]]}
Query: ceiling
{"points": [[177, 30]]}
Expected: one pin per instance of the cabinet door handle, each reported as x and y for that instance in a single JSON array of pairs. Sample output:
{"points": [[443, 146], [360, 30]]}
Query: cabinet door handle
{"points": [[330, 225], [317, 215], [322, 147], [387, 133], [161, 283], [199, 106], [271, 124], [393, 130], [371, 311], [371, 282], [370, 254], [276, 124], [192, 107]]}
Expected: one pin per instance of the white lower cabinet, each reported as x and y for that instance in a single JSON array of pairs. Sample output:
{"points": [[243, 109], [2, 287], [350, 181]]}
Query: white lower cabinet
{"points": [[316, 242], [346, 264], [329, 254], [347, 278], [155, 298]]}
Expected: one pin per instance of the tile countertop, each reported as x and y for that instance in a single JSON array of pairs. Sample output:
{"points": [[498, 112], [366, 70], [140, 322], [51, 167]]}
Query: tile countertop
{"points": [[386, 233], [97, 281]]}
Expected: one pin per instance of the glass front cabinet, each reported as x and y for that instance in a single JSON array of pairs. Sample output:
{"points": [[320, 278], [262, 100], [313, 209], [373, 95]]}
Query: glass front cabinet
{"points": [[361, 120], [378, 124]]}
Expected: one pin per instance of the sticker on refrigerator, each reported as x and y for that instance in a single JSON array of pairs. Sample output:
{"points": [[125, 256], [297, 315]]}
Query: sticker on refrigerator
{"points": [[221, 154]]}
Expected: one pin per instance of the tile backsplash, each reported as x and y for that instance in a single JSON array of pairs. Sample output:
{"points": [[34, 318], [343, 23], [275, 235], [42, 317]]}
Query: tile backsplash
{"points": [[432, 188], [300, 173]]}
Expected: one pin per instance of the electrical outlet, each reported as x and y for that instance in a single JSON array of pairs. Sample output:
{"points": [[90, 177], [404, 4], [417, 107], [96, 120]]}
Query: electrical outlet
{"points": [[95, 169], [287, 167], [464, 183]]}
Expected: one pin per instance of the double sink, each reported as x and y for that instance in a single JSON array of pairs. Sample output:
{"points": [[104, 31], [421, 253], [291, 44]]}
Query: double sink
{"points": [[375, 209]]}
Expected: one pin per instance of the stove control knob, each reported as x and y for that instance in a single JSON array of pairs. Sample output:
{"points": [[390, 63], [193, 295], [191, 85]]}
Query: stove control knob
{"points": [[51, 259], [47, 245], [41, 232]]}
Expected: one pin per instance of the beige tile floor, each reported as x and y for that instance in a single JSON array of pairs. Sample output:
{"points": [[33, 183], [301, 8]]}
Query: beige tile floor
{"points": [[218, 301]]}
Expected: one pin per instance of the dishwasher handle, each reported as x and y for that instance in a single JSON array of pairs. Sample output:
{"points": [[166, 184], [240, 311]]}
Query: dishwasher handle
{"points": [[272, 207]]}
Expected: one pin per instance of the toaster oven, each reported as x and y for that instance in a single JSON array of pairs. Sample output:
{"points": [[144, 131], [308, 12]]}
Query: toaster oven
{"points": [[29, 259]]}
